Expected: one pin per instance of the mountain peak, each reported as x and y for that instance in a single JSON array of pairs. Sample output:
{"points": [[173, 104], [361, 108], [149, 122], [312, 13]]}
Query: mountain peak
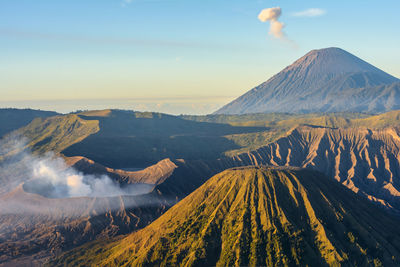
{"points": [[328, 50], [256, 216], [314, 82], [332, 60]]}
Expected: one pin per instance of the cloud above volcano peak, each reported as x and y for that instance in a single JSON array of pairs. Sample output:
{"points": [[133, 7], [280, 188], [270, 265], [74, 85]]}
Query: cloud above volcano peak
{"points": [[272, 15]]}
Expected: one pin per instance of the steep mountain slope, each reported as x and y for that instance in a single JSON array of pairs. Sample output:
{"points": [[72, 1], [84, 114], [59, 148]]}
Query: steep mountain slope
{"points": [[314, 82], [257, 216], [366, 161], [12, 118]]}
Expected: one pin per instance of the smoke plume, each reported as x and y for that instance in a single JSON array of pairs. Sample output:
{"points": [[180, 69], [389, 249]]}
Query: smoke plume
{"points": [[49, 176], [272, 15], [58, 180]]}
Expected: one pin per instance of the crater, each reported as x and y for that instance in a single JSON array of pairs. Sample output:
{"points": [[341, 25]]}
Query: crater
{"points": [[48, 189]]}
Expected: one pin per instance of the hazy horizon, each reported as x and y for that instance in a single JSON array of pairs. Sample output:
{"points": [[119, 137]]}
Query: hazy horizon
{"points": [[171, 105], [66, 55]]}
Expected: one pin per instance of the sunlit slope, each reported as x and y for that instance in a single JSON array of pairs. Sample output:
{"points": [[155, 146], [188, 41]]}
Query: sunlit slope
{"points": [[12, 118], [257, 216], [57, 133]]}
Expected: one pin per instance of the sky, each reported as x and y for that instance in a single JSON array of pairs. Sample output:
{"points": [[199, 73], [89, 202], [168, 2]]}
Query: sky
{"points": [[174, 56]]}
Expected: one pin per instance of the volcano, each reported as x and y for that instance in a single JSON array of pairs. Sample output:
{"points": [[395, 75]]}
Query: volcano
{"points": [[257, 216], [325, 80]]}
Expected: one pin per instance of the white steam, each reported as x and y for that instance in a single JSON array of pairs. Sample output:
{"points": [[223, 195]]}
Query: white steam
{"points": [[272, 15], [67, 182], [48, 175], [42, 198]]}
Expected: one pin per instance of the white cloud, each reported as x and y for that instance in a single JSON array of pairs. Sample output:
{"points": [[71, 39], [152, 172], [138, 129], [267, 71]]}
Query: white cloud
{"points": [[311, 12], [272, 15]]}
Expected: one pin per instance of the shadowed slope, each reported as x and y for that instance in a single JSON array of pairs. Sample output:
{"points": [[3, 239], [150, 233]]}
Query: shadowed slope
{"points": [[127, 139], [257, 216]]}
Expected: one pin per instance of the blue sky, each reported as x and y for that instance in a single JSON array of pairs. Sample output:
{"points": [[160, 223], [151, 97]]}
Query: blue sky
{"points": [[172, 56]]}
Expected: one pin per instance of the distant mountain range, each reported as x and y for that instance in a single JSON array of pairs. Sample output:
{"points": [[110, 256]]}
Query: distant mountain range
{"points": [[325, 80]]}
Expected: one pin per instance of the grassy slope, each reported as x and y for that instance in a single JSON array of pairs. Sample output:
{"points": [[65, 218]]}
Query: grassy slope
{"points": [[12, 119], [261, 119], [57, 133], [256, 217]]}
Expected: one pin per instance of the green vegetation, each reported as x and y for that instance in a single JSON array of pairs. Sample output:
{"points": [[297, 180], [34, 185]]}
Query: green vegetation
{"points": [[256, 216], [262, 118], [57, 133], [12, 119], [279, 124], [119, 139]]}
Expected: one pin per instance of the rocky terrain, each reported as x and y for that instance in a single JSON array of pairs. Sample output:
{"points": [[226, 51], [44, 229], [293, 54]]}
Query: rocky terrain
{"points": [[366, 161]]}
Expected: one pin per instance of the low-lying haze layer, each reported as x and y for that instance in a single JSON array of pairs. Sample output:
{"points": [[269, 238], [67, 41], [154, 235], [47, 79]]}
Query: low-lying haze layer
{"points": [[49, 175]]}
